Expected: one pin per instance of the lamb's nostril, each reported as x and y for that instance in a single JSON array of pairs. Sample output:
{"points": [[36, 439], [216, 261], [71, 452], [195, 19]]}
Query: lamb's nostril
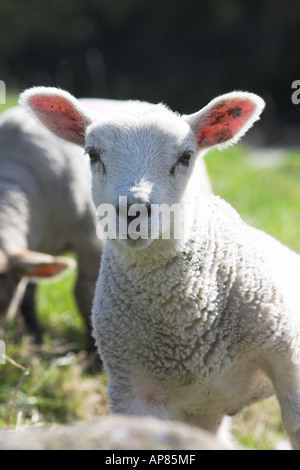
{"points": [[139, 210], [133, 211]]}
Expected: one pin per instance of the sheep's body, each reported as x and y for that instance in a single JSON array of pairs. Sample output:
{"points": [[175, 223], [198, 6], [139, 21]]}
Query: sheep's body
{"points": [[194, 328], [190, 333], [32, 162], [45, 200]]}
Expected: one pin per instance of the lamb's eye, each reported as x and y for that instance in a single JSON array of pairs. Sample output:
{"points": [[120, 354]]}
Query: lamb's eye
{"points": [[184, 159], [94, 156]]}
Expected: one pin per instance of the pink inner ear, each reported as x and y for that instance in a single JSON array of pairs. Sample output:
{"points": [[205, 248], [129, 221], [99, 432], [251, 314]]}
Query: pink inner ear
{"points": [[59, 116], [223, 121]]}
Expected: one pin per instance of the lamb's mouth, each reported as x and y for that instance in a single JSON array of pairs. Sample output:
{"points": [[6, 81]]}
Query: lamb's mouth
{"points": [[138, 244]]}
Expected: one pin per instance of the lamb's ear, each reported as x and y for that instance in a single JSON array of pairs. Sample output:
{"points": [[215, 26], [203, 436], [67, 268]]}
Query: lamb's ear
{"points": [[225, 119], [40, 265], [59, 111]]}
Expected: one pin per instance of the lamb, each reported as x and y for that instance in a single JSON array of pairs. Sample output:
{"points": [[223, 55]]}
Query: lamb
{"points": [[45, 163], [192, 328], [46, 209]]}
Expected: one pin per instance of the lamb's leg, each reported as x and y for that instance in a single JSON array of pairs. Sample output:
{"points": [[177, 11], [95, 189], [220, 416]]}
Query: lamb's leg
{"points": [[88, 258], [84, 294], [289, 399], [285, 375], [28, 311]]}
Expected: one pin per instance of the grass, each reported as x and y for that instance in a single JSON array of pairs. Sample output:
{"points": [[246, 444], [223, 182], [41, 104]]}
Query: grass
{"points": [[11, 99], [266, 196], [60, 387]]}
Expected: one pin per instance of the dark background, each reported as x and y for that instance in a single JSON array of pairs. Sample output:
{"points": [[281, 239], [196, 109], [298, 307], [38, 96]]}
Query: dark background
{"points": [[182, 52]]}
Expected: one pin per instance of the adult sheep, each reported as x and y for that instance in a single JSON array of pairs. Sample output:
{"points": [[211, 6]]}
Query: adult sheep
{"points": [[193, 328]]}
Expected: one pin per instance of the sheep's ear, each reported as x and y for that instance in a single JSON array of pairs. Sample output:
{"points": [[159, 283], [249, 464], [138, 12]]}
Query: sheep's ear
{"points": [[225, 119], [40, 265], [3, 262], [59, 111]]}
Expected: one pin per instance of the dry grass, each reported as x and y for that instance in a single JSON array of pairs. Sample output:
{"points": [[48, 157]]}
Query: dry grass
{"points": [[259, 426]]}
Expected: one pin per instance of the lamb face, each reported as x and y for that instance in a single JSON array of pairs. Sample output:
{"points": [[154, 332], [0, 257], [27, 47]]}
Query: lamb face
{"points": [[139, 163]]}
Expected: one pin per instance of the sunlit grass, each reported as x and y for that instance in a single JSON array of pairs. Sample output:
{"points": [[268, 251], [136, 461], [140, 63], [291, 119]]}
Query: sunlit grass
{"points": [[267, 197], [64, 383], [11, 99], [59, 312], [259, 426]]}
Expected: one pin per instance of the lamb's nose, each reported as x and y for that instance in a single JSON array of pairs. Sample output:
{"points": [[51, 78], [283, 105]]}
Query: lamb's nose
{"points": [[137, 210], [132, 211]]}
